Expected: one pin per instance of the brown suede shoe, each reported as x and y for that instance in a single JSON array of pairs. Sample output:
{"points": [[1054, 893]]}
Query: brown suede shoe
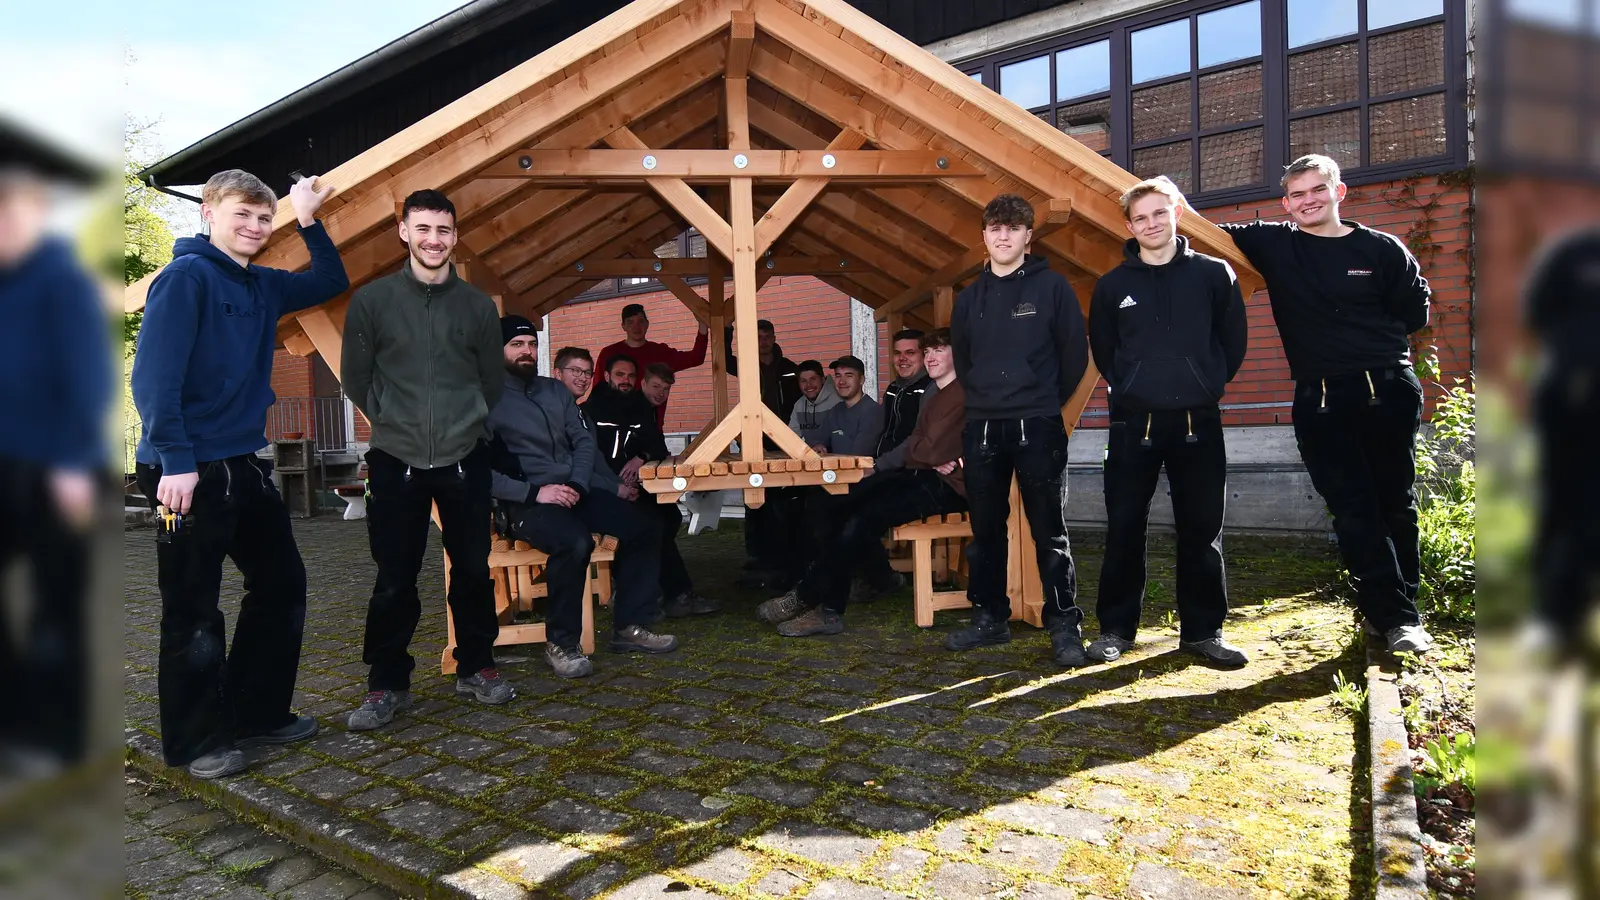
{"points": [[815, 620]]}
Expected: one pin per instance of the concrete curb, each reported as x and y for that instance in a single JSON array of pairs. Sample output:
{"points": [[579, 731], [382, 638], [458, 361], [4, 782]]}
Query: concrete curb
{"points": [[1398, 868], [407, 868]]}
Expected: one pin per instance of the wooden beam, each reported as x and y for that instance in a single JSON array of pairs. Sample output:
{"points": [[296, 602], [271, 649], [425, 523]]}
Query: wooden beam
{"points": [[882, 166], [678, 195], [741, 40], [741, 211], [702, 267], [717, 303], [736, 135], [784, 436], [944, 303], [769, 121], [686, 295], [710, 443], [799, 195], [327, 337]]}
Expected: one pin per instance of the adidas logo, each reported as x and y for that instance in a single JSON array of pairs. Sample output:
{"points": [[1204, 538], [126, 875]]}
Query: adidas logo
{"points": [[1127, 302]]}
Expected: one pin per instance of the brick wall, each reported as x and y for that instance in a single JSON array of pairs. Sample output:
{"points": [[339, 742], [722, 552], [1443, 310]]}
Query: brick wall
{"points": [[813, 319]]}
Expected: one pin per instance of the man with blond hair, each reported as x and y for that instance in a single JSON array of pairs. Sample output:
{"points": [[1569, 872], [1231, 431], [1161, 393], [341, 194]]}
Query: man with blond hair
{"points": [[202, 383], [1346, 298], [1167, 329]]}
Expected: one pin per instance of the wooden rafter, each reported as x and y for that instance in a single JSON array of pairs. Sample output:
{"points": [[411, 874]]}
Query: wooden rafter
{"points": [[630, 164], [695, 266]]}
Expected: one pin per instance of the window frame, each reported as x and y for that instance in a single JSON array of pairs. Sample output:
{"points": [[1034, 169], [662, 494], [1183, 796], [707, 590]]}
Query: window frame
{"points": [[1497, 94], [1276, 115], [613, 287]]}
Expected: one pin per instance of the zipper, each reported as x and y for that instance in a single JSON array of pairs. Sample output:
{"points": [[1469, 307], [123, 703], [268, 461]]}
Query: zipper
{"points": [[427, 322]]}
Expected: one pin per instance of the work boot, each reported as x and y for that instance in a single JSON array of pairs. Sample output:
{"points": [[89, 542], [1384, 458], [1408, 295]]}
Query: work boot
{"points": [[301, 728], [378, 709], [703, 606], [984, 630], [567, 662], [219, 763], [638, 639], [1109, 648], [815, 620], [679, 607], [1217, 651], [487, 686], [1408, 639], [781, 609], [1066, 648], [862, 590]]}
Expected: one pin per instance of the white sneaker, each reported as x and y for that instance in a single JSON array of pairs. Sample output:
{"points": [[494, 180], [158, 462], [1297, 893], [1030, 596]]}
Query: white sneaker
{"points": [[1409, 639]]}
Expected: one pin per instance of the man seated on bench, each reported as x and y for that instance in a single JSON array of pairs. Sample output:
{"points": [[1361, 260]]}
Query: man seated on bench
{"points": [[542, 457], [574, 367], [930, 484]]}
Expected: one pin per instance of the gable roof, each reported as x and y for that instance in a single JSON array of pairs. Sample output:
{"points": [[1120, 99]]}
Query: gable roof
{"points": [[820, 73]]}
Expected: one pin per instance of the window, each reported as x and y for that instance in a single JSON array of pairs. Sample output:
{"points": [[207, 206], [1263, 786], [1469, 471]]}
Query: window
{"points": [[1221, 95], [1541, 90], [690, 244]]}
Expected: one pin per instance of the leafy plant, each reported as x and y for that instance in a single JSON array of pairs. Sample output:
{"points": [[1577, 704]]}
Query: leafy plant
{"points": [[1349, 696], [1449, 761], [1447, 509]]}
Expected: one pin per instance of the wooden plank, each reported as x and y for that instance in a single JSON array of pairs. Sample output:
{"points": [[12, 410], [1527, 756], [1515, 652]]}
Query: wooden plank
{"points": [[702, 470], [755, 498], [799, 195], [711, 442], [943, 530], [649, 267], [629, 164], [325, 335], [741, 211], [741, 39], [783, 435], [682, 470], [944, 303], [731, 482], [675, 191], [715, 301], [719, 468], [738, 467], [299, 344], [922, 583], [737, 113]]}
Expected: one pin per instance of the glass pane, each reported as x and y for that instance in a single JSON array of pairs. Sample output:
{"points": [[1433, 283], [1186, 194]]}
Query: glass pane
{"points": [[1335, 134], [1407, 129], [1171, 160], [1405, 60], [1230, 97], [1027, 83], [1161, 51], [1324, 77], [1559, 13], [1084, 70], [1230, 160], [1231, 33], [1542, 132], [1318, 20], [1089, 122], [697, 245], [976, 76], [669, 250], [1161, 111], [1384, 13]]}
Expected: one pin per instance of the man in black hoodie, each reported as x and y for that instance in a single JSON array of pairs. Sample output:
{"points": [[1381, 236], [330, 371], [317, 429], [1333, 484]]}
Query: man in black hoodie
{"points": [[765, 535], [1346, 298], [1020, 352], [1167, 329]]}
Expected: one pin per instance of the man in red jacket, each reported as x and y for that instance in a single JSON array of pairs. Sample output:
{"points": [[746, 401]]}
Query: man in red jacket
{"points": [[645, 353]]}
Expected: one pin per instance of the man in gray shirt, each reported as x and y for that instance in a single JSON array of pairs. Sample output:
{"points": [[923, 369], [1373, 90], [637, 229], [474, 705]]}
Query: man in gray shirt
{"points": [[850, 428]]}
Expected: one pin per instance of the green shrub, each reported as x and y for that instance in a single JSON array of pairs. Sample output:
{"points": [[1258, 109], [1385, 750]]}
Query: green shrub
{"points": [[1447, 509]]}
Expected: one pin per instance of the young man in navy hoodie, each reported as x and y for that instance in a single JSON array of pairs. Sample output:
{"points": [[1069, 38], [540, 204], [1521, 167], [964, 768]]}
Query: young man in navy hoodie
{"points": [[1020, 351], [202, 385], [1167, 329], [1346, 299]]}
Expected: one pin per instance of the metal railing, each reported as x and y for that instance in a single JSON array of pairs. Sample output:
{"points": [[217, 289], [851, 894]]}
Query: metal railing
{"points": [[322, 419]]}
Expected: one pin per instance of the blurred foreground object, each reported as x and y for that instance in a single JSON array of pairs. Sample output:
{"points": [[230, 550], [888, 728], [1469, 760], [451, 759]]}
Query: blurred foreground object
{"points": [[55, 394]]}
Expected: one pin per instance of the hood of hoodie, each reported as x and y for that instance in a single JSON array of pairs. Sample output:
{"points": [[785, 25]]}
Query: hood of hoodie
{"points": [[200, 245]]}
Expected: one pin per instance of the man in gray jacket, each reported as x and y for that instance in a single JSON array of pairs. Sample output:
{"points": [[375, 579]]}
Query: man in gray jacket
{"points": [[850, 428], [543, 459], [421, 361], [817, 396]]}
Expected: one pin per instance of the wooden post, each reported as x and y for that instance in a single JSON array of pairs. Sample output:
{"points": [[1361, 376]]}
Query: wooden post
{"points": [[715, 288], [944, 302], [742, 207]]}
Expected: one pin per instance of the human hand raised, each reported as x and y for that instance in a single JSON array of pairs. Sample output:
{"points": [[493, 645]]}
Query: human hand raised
{"points": [[306, 199]]}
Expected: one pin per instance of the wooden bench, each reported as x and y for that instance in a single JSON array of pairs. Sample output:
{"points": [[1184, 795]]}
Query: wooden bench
{"points": [[937, 545], [514, 566]]}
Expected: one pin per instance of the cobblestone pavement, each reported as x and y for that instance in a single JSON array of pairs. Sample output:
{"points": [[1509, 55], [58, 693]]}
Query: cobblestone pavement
{"points": [[872, 764], [181, 848]]}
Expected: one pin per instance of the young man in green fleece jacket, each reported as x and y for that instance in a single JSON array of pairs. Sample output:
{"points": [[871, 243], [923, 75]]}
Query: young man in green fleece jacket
{"points": [[422, 362]]}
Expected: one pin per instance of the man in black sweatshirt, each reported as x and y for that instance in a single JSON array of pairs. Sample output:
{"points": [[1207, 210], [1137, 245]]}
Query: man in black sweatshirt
{"points": [[1167, 329], [902, 399], [1345, 298], [1020, 351]]}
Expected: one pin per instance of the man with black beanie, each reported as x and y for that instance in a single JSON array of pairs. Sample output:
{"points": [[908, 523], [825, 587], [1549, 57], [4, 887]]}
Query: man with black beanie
{"points": [[1020, 351], [1167, 329]]}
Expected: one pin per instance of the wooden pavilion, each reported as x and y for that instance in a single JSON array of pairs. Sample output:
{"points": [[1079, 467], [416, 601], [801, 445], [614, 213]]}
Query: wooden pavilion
{"points": [[796, 137]]}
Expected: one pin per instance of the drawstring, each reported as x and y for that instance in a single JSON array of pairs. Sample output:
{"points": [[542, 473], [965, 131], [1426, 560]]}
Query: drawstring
{"points": [[408, 473], [984, 444], [460, 472], [1372, 392], [1189, 438], [1146, 441], [1322, 405], [1024, 441]]}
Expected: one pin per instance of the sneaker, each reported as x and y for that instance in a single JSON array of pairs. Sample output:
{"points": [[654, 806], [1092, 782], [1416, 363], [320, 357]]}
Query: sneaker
{"points": [[1408, 639], [487, 686], [984, 630], [568, 662], [378, 709], [703, 606], [781, 609], [815, 620], [864, 591], [637, 638], [679, 606], [219, 763], [1109, 648], [1066, 648], [1216, 650], [301, 728]]}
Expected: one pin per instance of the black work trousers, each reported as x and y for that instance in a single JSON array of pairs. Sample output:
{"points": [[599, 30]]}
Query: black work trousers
{"points": [[1358, 435], [1035, 451], [890, 499], [1566, 412], [398, 515], [675, 580], [49, 667], [567, 535], [209, 697], [1189, 444]]}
